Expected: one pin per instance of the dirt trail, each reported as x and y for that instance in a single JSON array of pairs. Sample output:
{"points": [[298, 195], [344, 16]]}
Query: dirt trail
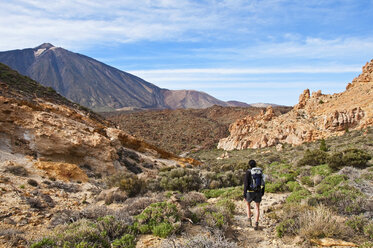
{"points": [[266, 235]]}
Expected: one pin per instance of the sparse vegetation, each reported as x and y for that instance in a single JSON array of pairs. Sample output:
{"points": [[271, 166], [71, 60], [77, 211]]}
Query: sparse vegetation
{"points": [[161, 219], [17, 170]]}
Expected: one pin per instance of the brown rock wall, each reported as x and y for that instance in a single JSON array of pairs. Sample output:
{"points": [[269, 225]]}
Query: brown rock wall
{"points": [[315, 117]]}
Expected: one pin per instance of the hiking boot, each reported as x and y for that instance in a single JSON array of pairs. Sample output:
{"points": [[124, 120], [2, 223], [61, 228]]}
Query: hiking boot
{"points": [[256, 226], [250, 222]]}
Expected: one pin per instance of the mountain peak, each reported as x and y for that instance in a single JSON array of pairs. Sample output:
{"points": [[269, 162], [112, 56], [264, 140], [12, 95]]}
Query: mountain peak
{"points": [[44, 46]]}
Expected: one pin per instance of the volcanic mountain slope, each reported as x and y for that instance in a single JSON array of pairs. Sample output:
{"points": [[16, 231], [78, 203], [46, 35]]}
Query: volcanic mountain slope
{"points": [[96, 85], [316, 116], [184, 129]]}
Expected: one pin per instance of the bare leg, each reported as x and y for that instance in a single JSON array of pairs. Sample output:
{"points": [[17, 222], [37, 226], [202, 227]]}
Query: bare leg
{"points": [[248, 209], [257, 205]]}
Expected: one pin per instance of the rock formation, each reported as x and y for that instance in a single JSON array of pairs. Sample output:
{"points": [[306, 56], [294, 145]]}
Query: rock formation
{"points": [[316, 116]]}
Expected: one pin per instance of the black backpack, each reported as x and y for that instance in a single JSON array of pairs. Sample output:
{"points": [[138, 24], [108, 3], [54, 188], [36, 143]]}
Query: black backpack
{"points": [[257, 180]]}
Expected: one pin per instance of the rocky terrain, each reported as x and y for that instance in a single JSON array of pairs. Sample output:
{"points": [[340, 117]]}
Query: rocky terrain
{"points": [[69, 178], [98, 86], [316, 116], [182, 130], [51, 149]]}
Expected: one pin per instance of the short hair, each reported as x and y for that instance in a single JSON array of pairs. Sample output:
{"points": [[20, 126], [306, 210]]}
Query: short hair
{"points": [[252, 163]]}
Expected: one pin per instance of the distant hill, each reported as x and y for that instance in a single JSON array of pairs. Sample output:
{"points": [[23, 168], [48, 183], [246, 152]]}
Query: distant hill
{"points": [[96, 85], [183, 129]]}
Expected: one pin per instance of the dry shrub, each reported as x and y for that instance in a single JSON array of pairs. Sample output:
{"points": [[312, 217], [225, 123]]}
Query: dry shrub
{"points": [[192, 198], [17, 170], [135, 206], [321, 222], [200, 241]]}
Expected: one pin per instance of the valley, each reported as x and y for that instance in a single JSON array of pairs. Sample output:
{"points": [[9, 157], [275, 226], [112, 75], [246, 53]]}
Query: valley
{"points": [[71, 178]]}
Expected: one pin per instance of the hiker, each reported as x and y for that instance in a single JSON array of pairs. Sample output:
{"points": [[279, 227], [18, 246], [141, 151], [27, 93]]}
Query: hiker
{"points": [[253, 190]]}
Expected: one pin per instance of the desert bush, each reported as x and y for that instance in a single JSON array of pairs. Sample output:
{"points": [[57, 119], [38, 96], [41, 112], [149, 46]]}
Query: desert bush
{"points": [[127, 182], [350, 157], [79, 233], [192, 198], [17, 170], [307, 181], [289, 219], [357, 223], [293, 186], [89, 233], [275, 187], [181, 179], [215, 180], [343, 198], [323, 147], [161, 219], [288, 226], [126, 241], [45, 242], [200, 241], [227, 206], [322, 170], [329, 183], [111, 227], [234, 193], [315, 157], [213, 216], [368, 230], [134, 206], [297, 196], [321, 223]]}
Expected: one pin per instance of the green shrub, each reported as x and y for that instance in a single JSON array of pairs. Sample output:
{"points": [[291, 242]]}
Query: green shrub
{"points": [[275, 187], [163, 230], [126, 241], [213, 216], [45, 242], [357, 223], [227, 205], [322, 170], [329, 183], [368, 230], [323, 146], [181, 179], [350, 157], [81, 231], [288, 226], [297, 196], [293, 186], [214, 193], [160, 218], [234, 193], [315, 157], [307, 181]]}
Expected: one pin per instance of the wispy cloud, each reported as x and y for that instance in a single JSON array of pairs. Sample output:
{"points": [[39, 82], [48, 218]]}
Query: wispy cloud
{"points": [[233, 71]]}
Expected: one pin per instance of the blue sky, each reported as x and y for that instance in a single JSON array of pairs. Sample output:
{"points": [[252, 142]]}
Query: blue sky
{"points": [[251, 51]]}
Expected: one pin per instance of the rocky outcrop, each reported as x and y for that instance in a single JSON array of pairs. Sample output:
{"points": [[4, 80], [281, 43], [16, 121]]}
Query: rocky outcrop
{"points": [[316, 116]]}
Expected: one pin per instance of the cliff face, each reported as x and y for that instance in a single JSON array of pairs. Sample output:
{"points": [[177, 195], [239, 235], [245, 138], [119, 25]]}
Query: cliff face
{"points": [[316, 116]]}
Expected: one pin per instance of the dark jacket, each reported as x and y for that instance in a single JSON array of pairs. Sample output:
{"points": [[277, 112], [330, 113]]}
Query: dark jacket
{"points": [[247, 182]]}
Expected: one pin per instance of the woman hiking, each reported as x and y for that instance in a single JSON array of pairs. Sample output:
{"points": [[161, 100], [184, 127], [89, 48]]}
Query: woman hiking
{"points": [[253, 190]]}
